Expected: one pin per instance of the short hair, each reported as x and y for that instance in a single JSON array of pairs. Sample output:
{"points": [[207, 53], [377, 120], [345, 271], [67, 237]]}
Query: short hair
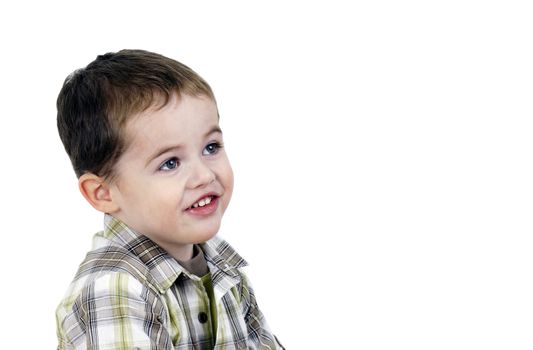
{"points": [[95, 103]]}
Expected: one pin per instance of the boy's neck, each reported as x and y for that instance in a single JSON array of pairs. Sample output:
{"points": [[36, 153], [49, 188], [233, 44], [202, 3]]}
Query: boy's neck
{"points": [[181, 253]]}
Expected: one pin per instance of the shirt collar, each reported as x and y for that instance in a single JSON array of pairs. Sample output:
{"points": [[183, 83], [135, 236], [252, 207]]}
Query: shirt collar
{"points": [[223, 259]]}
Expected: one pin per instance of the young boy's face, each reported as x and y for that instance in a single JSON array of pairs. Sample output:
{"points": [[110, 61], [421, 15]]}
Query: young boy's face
{"points": [[174, 181]]}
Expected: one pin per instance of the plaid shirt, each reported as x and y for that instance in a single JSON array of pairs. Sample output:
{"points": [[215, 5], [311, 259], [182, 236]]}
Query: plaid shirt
{"points": [[130, 294]]}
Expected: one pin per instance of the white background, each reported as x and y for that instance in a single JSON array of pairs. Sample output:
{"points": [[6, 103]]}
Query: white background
{"points": [[383, 156]]}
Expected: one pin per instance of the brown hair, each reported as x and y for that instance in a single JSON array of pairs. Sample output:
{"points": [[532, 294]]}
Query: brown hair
{"points": [[95, 103]]}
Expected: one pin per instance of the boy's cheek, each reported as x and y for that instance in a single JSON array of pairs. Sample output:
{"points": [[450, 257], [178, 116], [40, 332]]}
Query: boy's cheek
{"points": [[228, 190], [230, 181], [225, 173]]}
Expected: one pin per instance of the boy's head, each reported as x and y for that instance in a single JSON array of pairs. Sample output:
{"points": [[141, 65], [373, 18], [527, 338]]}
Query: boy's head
{"points": [[142, 133]]}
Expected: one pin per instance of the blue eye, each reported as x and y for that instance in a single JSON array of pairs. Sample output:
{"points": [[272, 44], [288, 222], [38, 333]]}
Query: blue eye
{"points": [[170, 164], [212, 148]]}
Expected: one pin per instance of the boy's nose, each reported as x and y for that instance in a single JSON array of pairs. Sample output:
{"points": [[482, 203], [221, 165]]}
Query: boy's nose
{"points": [[200, 174]]}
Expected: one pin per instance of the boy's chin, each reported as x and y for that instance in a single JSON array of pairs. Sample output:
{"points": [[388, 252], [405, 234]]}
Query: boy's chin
{"points": [[205, 235]]}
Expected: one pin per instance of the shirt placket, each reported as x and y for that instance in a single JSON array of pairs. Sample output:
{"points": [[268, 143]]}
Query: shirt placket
{"points": [[193, 300]]}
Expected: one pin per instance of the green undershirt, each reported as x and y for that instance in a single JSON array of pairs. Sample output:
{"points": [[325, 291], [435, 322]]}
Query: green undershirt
{"points": [[208, 285]]}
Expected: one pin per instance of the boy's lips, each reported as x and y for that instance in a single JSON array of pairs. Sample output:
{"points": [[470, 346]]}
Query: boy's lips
{"points": [[203, 200], [210, 205]]}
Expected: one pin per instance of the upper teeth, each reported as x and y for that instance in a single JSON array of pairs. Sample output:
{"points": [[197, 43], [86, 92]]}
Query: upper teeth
{"points": [[202, 202]]}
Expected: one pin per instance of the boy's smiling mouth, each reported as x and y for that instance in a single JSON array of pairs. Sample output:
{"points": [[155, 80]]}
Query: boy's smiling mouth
{"points": [[202, 202], [205, 205]]}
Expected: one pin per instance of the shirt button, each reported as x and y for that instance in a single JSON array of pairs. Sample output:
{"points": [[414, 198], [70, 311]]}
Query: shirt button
{"points": [[202, 317]]}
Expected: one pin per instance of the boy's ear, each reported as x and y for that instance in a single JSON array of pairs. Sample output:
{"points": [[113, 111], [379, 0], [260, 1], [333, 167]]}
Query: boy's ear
{"points": [[97, 192]]}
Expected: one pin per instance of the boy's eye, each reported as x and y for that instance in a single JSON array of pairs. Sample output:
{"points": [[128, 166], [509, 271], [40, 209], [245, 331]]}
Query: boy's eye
{"points": [[170, 164], [212, 148]]}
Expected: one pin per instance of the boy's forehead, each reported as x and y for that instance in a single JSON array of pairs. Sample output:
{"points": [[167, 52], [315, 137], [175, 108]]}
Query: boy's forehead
{"points": [[170, 123]]}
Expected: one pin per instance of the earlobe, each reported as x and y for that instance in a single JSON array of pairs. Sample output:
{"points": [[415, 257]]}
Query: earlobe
{"points": [[97, 192]]}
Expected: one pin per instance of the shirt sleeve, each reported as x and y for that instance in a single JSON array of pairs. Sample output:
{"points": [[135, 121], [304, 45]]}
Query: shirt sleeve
{"points": [[115, 311], [259, 332]]}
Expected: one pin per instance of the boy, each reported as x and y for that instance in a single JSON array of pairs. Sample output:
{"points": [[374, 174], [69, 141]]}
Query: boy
{"points": [[142, 133]]}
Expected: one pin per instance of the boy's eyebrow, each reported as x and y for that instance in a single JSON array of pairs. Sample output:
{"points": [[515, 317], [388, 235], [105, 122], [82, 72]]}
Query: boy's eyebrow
{"points": [[165, 149], [215, 128]]}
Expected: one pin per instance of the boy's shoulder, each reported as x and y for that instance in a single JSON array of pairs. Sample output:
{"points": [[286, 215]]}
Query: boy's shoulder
{"points": [[106, 272]]}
